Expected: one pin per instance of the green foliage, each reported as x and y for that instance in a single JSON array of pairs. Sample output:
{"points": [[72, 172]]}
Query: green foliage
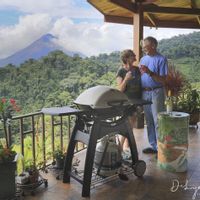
{"points": [[183, 51], [56, 79], [58, 154], [188, 101], [7, 154]]}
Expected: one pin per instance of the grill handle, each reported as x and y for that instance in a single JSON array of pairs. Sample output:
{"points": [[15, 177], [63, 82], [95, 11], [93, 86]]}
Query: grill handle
{"points": [[116, 102]]}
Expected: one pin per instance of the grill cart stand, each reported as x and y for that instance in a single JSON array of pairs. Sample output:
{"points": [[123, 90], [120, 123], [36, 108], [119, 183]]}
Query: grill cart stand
{"points": [[99, 130]]}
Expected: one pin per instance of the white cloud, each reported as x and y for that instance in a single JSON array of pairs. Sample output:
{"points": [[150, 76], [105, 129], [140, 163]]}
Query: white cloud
{"points": [[29, 28], [55, 16], [92, 39], [164, 33], [87, 38], [55, 8]]}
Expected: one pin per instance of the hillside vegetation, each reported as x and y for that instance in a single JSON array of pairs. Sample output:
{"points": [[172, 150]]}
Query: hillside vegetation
{"points": [[58, 79], [184, 52]]}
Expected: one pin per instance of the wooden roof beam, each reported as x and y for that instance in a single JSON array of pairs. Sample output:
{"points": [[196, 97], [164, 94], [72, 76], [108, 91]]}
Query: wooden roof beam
{"points": [[198, 19], [175, 24], [151, 19], [125, 4], [159, 24], [173, 10], [118, 19], [194, 5]]}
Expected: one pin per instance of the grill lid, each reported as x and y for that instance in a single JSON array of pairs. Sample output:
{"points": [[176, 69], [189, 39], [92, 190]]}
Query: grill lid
{"points": [[102, 96]]}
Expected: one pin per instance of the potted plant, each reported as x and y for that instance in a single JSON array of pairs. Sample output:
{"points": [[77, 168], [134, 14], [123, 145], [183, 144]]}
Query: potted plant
{"points": [[174, 84], [33, 173], [7, 156], [7, 107], [59, 157], [189, 101], [7, 172]]}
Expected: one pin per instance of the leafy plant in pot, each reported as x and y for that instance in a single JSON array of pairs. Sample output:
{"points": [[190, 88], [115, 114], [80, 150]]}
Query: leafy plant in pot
{"points": [[174, 84], [33, 173], [7, 156], [7, 172], [59, 157], [189, 101]]}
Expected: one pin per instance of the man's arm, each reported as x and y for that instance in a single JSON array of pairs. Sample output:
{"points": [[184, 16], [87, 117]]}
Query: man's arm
{"points": [[156, 77]]}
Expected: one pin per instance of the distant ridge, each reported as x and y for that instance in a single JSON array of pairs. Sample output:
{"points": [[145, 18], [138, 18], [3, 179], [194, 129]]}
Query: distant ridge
{"points": [[36, 50]]}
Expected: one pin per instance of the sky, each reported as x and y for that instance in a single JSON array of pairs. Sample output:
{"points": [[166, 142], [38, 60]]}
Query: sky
{"points": [[77, 25]]}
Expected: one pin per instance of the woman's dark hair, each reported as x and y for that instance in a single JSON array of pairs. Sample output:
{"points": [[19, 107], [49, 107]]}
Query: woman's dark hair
{"points": [[126, 54]]}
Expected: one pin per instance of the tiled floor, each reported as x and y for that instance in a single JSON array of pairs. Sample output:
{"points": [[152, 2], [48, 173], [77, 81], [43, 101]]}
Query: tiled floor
{"points": [[155, 184]]}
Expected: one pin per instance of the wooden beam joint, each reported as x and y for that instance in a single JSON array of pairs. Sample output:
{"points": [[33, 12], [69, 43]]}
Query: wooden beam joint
{"points": [[125, 4], [151, 19]]}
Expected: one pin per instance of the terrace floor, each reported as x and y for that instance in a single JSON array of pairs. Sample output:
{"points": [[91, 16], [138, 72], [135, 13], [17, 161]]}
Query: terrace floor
{"points": [[155, 184]]}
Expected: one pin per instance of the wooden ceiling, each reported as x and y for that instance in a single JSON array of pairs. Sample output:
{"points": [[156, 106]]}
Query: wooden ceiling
{"points": [[157, 13]]}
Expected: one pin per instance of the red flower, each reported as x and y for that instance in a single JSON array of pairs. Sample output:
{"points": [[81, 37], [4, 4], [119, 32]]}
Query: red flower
{"points": [[168, 138], [12, 101], [3, 100], [7, 107], [6, 110]]}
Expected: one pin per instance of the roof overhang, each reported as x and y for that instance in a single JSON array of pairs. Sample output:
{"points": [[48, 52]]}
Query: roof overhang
{"points": [[157, 13]]}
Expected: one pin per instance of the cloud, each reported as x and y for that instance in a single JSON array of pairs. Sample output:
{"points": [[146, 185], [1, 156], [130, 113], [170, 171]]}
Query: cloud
{"points": [[87, 38], [29, 28], [55, 16], [92, 39], [57, 8], [164, 33]]}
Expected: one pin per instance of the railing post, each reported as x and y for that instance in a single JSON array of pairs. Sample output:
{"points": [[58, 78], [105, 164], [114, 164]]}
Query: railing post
{"points": [[9, 135], [22, 136], [43, 140], [33, 137], [61, 133], [52, 134]]}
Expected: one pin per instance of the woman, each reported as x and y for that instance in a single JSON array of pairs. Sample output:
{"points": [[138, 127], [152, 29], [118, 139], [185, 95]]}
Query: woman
{"points": [[129, 82]]}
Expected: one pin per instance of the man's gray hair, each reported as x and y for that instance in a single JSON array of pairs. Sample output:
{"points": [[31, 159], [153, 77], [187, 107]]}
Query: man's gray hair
{"points": [[152, 40]]}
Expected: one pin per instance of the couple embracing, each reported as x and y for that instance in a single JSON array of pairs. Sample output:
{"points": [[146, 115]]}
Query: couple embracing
{"points": [[146, 82]]}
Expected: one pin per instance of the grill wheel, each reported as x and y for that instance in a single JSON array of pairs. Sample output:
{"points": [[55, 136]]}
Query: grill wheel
{"points": [[139, 168]]}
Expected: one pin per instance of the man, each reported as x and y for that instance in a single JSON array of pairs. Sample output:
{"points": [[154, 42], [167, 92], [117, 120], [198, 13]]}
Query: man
{"points": [[153, 67]]}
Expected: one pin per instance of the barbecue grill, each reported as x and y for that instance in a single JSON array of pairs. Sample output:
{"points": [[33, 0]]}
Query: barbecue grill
{"points": [[105, 110], [103, 101]]}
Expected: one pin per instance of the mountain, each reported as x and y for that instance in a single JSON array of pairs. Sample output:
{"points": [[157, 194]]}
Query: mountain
{"points": [[36, 50]]}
